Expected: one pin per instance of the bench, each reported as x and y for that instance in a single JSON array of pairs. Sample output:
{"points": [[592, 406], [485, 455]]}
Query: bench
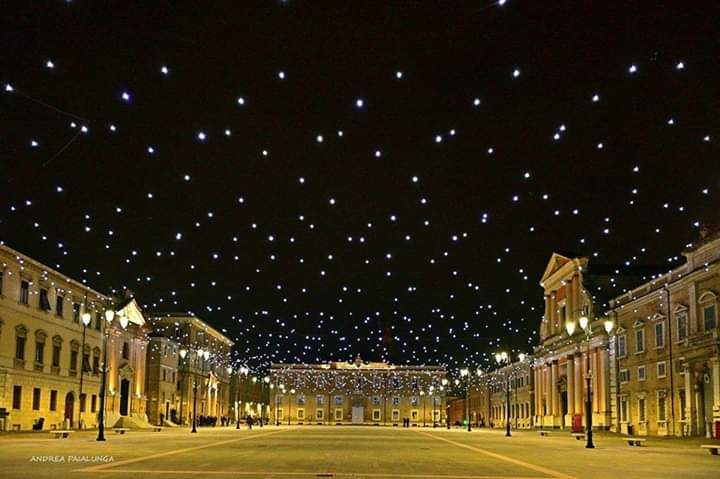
{"points": [[61, 433], [713, 448], [578, 435], [633, 441], [120, 430], [544, 433], [157, 428]]}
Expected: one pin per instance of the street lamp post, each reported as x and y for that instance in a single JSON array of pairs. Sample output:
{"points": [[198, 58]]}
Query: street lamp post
{"points": [[444, 383], [265, 380], [109, 315], [465, 373], [587, 329], [503, 358], [85, 321], [204, 356], [183, 352]]}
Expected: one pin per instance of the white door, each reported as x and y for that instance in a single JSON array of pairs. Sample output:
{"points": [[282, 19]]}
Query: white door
{"points": [[357, 415]]}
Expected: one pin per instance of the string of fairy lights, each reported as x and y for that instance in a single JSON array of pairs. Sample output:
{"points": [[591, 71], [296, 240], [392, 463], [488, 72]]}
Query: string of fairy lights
{"points": [[316, 311]]}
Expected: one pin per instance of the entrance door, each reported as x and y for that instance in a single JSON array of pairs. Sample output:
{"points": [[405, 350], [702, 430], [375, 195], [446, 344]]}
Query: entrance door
{"points": [[69, 408], [564, 407], [124, 396], [358, 415]]}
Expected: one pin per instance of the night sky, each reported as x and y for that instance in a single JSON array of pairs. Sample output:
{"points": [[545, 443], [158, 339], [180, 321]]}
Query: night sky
{"points": [[322, 179]]}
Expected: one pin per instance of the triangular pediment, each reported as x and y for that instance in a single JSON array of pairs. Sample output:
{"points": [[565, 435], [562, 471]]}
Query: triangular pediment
{"points": [[131, 310], [556, 262], [639, 323]]}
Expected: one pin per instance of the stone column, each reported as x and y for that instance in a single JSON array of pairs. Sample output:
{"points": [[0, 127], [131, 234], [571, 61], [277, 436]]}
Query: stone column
{"points": [[602, 381], [553, 315], [571, 384], [553, 389], [538, 392], [545, 327], [689, 400], [715, 362], [579, 383], [594, 382], [548, 390], [569, 301]]}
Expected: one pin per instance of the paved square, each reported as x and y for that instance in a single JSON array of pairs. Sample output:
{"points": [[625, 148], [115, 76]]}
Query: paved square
{"points": [[317, 451]]}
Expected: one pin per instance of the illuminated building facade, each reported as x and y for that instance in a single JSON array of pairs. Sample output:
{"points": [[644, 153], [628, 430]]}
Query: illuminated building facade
{"points": [[50, 362], [357, 392]]}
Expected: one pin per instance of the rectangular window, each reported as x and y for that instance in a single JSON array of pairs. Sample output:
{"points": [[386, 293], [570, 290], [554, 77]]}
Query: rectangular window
{"points": [[17, 397], [376, 400], [53, 400], [338, 400], [56, 356], [661, 369], [319, 399], [24, 292], [376, 414], [20, 347], [83, 401], [395, 415], [622, 346], [98, 321], [96, 366], [623, 409], [301, 414], [93, 403], [395, 401], [624, 375], [414, 415], [301, 399], [661, 405], [709, 317], [44, 302], [640, 341], [415, 383], [396, 383], [338, 414], [73, 361], [76, 312], [59, 303], [682, 326], [641, 373], [660, 335], [126, 351], [414, 401], [39, 352], [36, 399], [641, 410], [319, 414]]}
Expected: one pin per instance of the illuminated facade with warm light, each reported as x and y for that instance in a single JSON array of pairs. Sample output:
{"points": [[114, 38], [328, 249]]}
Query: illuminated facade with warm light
{"points": [[668, 349], [357, 392], [44, 355], [206, 379]]}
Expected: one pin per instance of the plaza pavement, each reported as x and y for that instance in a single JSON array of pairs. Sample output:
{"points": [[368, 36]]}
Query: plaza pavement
{"points": [[349, 452]]}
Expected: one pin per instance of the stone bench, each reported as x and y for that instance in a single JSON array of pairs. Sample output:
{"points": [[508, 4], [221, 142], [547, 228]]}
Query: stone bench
{"points": [[633, 441], [121, 430], [578, 435], [64, 433], [713, 448], [544, 433]]}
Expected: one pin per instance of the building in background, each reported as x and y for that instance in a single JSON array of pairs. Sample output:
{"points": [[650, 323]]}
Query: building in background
{"points": [[199, 379], [51, 340], [163, 360], [668, 352], [357, 393]]}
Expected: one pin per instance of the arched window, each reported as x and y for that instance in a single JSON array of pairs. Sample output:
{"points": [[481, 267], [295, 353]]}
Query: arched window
{"points": [[708, 310]]}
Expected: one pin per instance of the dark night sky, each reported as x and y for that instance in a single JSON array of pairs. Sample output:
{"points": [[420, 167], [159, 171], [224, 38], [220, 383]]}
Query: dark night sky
{"points": [[445, 300]]}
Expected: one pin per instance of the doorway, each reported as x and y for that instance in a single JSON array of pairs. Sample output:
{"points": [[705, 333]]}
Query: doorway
{"points": [[124, 397], [358, 415], [69, 408]]}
